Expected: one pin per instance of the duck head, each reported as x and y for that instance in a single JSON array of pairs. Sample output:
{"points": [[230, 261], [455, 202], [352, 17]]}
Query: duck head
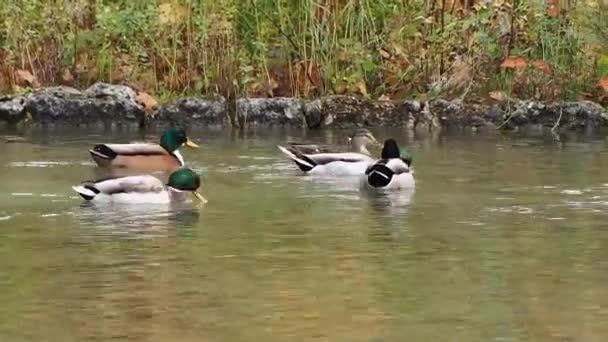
{"points": [[185, 180], [174, 138], [361, 139]]}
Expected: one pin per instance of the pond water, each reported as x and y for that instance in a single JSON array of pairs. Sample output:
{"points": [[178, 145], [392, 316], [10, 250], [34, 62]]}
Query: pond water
{"points": [[504, 239]]}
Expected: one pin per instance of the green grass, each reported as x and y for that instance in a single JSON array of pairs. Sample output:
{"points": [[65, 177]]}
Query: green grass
{"points": [[307, 48]]}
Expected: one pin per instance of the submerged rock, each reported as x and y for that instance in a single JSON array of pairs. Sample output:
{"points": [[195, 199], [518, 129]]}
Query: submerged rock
{"points": [[191, 111], [100, 104], [270, 111], [12, 109]]}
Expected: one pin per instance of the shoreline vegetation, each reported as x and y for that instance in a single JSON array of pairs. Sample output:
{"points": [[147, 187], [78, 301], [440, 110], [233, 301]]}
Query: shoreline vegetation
{"points": [[473, 51]]}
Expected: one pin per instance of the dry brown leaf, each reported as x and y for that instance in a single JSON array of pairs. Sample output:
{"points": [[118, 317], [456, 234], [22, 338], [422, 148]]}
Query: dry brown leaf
{"points": [[553, 8], [497, 95], [513, 63], [362, 88], [384, 53], [26, 77], [273, 84], [147, 101], [540, 65], [67, 78], [384, 97], [604, 84]]}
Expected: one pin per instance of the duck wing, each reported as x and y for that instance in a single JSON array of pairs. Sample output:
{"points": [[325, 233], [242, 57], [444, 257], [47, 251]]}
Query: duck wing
{"points": [[306, 162], [142, 184], [111, 151], [347, 157], [311, 148]]}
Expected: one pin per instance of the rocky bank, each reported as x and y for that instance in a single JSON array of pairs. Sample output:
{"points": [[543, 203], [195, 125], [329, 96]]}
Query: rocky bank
{"points": [[116, 105]]}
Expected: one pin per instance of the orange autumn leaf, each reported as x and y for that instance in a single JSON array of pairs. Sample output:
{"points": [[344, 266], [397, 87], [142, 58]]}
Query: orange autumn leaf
{"points": [[147, 101], [604, 84], [67, 78], [553, 8], [513, 63], [540, 65], [26, 77]]}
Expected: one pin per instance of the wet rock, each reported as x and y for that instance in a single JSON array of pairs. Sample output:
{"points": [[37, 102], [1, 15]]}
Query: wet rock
{"points": [[344, 111], [191, 112], [270, 111], [568, 115], [351, 111], [456, 114], [100, 104], [12, 109], [116, 92], [313, 113]]}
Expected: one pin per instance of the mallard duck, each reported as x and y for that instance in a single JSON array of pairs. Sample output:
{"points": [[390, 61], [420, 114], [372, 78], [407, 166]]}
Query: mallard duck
{"points": [[358, 140], [145, 156], [392, 172], [314, 160], [142, 189]]}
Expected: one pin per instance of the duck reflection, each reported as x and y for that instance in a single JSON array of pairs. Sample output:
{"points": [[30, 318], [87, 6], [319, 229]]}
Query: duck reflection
{"points": [[138, 220], [389, 202]]}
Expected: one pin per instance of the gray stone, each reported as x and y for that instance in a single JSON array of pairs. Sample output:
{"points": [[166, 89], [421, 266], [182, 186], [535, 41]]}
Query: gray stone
{"points": [[270, 111], [313, 113], [191, 111], [12, 109], [116, 92], [567, 115], [100, 104]]}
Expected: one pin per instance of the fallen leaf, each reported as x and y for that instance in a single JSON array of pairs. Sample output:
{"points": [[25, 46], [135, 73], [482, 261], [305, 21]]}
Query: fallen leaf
{"points": [[147, 101], [362, 88], [384, 97], [553, 8], [384, 53], [497, 95], [513, 63], [26, 77], [540, 65], [604, 84], [67, 78]]}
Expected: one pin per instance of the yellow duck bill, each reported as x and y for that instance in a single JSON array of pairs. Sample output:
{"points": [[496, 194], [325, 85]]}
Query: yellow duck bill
{"points": [[199, 197], [190, 143]]}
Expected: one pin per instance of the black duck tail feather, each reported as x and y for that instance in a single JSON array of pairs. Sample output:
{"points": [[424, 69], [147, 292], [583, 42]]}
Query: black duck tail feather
{"points": [[103, 151], [379, 175]]}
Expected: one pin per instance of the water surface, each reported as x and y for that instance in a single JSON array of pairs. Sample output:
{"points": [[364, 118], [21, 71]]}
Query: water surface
{"points": [[504, 239]]}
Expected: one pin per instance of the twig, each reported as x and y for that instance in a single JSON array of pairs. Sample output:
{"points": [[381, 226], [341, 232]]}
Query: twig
{"points": [[510, 114], [559, 119]]}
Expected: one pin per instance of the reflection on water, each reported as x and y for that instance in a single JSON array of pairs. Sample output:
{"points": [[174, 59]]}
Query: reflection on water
{"points": [[503, 239]]}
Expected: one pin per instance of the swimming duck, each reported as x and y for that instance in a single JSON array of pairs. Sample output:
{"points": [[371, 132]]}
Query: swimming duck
{"points": [[145, 156], [392, 172], [318, 162], [358, 140], [142, 189]]}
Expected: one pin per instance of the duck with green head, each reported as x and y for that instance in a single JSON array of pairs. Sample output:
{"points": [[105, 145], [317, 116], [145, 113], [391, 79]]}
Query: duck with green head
{"points": [[143, 189], [145, 156]]}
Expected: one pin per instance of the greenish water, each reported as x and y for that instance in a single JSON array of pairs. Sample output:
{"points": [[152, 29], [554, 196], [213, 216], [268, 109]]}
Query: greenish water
{"points": [[504, 239]]}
